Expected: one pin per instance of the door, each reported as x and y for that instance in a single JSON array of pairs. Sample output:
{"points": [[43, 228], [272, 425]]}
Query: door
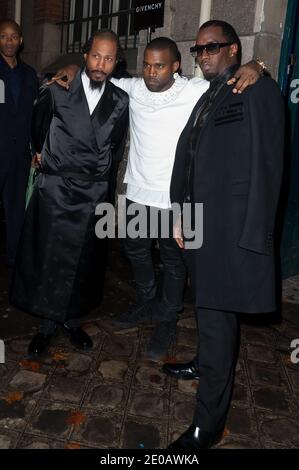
{"points": [[289, 81]]}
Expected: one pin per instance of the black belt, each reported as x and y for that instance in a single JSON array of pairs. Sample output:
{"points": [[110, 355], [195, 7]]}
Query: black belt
{"points": [[78, 176]]}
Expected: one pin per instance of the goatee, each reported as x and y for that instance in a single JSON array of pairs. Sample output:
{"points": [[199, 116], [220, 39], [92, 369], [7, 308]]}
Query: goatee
{"points": [[95, 85]]}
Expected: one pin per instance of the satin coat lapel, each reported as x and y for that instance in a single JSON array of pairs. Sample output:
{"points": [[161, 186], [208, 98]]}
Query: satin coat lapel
{"points": [[102, 114], [79, 104]]}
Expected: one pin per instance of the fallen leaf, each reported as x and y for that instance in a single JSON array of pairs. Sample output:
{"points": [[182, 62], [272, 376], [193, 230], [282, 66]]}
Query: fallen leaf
{"points": [[171, 360], [60, 356], [13, 397], [226, 433], [287, 361], [30, 365], [76, 418], [72, 445]]}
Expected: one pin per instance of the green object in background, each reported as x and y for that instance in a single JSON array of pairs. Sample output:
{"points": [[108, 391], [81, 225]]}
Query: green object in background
{"points": [[31, 180]]}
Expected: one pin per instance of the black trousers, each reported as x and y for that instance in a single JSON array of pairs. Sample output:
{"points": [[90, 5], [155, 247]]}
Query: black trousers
{"points": [[218, 336], [139, 252], [13, 184]]}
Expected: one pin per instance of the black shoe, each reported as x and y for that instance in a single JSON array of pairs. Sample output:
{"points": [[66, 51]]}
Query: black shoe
{"points": [[188, 371], [78, 337], [39, 344], [161, 339], [195, 439]]}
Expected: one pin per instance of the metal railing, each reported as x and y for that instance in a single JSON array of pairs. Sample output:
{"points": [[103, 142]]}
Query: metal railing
{"points": [[121, 22]]}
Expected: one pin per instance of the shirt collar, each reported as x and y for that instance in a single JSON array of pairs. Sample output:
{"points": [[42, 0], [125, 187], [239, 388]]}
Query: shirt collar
{"points": [[6, 66]]}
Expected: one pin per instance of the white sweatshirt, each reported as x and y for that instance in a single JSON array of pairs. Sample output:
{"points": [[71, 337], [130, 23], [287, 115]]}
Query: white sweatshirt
{"points": [[156, 123]]}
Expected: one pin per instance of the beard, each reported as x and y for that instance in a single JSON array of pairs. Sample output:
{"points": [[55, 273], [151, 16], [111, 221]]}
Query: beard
{"points": [[210, 76], [95, 84]]}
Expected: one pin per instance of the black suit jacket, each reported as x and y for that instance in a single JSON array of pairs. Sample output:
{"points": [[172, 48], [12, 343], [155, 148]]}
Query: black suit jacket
{"points": [[15, 119], [237, 176]]}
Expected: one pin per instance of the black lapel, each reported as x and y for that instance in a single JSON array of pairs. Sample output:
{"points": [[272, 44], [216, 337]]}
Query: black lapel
{"points": [[79, 103], [103, 111], [76, 83], [105, 106]]}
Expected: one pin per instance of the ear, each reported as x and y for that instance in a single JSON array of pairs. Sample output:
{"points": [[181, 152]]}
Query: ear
{"points": [[21, 40], [175, 66], [233, 50], [85, 57]]}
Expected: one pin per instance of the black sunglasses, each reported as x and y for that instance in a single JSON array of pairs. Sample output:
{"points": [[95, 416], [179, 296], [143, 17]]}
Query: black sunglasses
{"points": [[211, 48]]}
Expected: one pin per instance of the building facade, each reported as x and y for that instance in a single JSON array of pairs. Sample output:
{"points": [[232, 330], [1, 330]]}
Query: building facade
{"points": [[55, 27]]}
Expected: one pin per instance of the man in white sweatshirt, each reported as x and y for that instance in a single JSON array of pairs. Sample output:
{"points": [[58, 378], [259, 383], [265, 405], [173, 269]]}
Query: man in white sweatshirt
{"points": [[160, 105]]}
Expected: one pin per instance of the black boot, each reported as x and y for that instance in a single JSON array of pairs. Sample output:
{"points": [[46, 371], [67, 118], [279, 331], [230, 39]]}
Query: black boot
{"points": [[78, 337], [39, 344], [187, 371], [194, 439]]}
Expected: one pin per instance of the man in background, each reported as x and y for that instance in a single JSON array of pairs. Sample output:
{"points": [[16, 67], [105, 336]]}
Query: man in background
{"points": [[20, 87]]}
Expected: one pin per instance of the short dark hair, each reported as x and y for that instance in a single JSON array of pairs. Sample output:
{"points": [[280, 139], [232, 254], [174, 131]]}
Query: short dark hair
{"points": [[12, 23], [163, 43], [104, 34], [228, 31]]}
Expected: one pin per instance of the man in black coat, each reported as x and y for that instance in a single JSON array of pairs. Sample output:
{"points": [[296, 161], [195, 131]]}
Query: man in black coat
{"points": [[20, 87], [60, 261], [229, 158]]}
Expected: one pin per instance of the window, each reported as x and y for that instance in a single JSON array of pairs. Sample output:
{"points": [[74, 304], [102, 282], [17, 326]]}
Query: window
{"points": [[86, 16]]}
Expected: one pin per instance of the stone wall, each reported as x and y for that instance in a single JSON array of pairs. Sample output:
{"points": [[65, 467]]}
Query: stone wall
{"points": [[270, 33], [260, 24], [41, 32]]}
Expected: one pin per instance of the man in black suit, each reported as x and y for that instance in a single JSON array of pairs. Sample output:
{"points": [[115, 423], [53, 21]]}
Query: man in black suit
{"points": [[80, 133], [20, 90], [229, 158]]}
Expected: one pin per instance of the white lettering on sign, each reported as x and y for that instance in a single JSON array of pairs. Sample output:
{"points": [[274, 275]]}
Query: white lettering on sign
{"points": [[150, 7]]}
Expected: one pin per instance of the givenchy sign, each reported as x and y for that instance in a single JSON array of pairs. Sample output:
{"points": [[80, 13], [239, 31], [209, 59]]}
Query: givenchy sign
{"points": [[148, 14]]}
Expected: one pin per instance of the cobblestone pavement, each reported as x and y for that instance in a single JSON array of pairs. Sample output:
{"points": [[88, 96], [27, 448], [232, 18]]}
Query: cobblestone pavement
{"points": [[115, 397]]}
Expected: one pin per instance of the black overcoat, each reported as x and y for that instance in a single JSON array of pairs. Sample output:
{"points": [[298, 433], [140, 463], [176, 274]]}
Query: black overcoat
{"points": [[15, 118], [238, 165], [60, 261], [15, 153]]}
